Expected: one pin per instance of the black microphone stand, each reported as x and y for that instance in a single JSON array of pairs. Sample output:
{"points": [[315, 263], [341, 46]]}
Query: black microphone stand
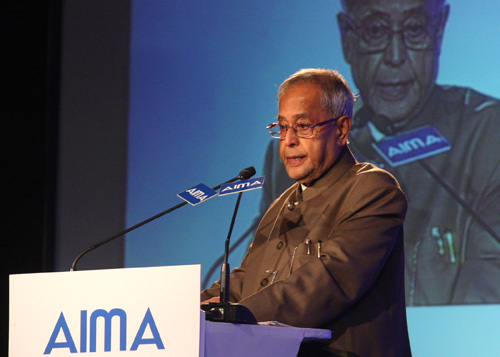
{"points": [[243, 175], [225, 269], [224, 311]]}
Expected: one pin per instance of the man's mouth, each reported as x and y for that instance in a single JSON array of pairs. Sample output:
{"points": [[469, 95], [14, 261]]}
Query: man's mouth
{"points": [[295, 160], [394, 91]]}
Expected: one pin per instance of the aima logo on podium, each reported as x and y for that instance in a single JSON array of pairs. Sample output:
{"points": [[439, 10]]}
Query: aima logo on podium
{"points": [[62, 336]]}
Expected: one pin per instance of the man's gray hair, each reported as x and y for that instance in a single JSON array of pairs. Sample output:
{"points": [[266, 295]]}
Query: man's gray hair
{"points": [[337, 97]]}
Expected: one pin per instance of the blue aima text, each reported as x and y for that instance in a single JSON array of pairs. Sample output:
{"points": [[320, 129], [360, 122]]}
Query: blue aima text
{"points": [[88, 333]]}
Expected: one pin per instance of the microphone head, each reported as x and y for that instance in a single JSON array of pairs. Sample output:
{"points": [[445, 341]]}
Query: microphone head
{"points": [[383, 123], [245, 174]]}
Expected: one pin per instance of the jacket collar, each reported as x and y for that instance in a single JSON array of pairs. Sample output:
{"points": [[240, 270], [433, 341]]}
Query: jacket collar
{"points": [[343, 163]]}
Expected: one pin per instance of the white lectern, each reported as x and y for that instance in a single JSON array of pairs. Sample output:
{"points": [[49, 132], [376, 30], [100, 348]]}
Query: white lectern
{"points": [[131, 312]]}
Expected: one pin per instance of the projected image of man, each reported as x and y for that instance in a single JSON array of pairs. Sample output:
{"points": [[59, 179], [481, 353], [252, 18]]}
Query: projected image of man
{"points": [[439, 141]]}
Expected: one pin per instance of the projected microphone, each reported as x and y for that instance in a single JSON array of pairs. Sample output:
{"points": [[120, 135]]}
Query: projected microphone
{"points": [[366, 114], [243, 175], [412, 146]]}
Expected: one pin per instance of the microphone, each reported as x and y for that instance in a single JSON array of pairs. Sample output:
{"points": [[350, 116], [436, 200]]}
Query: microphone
{"points": [[247, 173], [383, 123], [225, 270], [224, 311]]}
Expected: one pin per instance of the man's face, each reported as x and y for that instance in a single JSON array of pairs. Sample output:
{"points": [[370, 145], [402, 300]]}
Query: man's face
{"points": [[306, 159], [393, 48]]}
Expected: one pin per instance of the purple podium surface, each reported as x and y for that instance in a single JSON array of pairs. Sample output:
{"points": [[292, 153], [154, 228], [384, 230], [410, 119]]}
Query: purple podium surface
{"points": [[240, 340]]}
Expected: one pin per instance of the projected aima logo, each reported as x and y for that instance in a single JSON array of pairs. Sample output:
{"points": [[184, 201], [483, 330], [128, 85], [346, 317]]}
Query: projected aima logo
{"points": [[62, 336], [412, 146]]}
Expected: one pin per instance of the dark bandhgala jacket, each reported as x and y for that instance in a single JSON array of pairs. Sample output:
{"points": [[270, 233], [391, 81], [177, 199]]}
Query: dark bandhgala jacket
{"points": [[332, 256]]}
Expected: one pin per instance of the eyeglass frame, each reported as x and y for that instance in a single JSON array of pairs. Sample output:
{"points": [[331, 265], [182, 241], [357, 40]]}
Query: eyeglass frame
{"points": [[294, 127], [431, 20]]}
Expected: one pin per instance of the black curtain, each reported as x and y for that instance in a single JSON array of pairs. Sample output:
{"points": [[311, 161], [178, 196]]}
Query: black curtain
{"points": [[28, 128]]}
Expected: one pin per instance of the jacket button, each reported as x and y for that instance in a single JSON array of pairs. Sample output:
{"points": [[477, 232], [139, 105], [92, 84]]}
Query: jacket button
{"points": [[280, 245], [264, 282]]}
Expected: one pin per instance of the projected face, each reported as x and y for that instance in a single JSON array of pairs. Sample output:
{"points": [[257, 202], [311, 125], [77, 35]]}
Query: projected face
{"points": [[393, 48]]}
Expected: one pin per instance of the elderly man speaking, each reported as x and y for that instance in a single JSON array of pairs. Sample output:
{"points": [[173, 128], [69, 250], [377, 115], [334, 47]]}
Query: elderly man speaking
{"points": [[328, 253]]}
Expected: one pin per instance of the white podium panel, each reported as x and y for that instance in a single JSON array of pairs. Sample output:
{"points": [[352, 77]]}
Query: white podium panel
{"points": [[118, 312]]}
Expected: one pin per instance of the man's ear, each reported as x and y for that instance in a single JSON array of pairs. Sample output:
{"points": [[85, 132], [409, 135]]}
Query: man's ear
{"points": [[346, 36], [344, 124]]}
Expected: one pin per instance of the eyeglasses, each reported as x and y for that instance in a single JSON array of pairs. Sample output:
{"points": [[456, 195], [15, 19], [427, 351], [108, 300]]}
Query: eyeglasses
{"points": [[375, 32], [302, 130]]}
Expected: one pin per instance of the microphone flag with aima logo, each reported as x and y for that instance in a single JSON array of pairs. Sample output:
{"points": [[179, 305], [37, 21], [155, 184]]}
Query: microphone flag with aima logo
{"points": [[241, 186]]}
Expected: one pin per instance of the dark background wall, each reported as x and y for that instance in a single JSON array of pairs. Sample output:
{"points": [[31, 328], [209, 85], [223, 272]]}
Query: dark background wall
{"points": [[28, 131], [64, 105], [93, 112]]}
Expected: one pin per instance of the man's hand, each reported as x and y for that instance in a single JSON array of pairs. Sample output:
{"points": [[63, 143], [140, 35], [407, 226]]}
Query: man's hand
{"points": [[213, 299]]}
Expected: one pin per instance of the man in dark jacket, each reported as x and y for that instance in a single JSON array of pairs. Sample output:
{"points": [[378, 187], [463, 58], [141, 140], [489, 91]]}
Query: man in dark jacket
{"points": [[329, 251]]}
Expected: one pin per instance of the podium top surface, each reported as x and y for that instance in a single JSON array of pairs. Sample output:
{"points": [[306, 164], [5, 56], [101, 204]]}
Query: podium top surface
{"points": [[241, 340]]}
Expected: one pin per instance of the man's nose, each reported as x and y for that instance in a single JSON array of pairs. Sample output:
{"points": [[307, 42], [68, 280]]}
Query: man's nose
{"points": [[395, 53], [291, 139]]}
